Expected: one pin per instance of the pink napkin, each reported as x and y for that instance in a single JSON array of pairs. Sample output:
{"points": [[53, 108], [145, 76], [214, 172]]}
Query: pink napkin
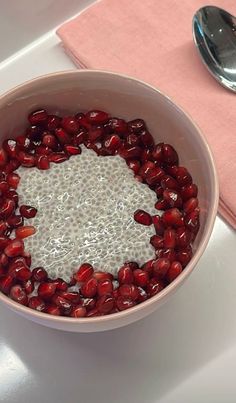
{"points": [[152, 40]]}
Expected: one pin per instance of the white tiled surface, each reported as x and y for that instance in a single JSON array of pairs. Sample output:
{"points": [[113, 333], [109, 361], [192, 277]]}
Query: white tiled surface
{"points": [[185, 352]]}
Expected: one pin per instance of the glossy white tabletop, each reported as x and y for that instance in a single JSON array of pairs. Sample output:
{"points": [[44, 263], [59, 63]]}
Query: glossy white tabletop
{"points": [[184, 352]]}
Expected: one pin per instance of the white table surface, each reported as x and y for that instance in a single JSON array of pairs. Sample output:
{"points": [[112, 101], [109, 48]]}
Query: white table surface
{"points": [[184, 352]]}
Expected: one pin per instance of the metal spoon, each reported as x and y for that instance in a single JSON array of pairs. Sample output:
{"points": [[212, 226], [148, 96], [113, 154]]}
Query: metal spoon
{"points": [[214, 33]]}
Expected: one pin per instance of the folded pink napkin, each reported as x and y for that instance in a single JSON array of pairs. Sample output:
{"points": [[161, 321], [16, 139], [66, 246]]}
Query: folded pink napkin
{"points": [[152, 40]]}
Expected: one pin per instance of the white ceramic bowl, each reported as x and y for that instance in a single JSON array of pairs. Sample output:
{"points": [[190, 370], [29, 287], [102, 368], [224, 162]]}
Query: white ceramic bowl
{"points": [[128, 98]]}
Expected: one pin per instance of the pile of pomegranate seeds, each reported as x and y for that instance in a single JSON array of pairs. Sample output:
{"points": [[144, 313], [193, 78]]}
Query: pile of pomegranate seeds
{"points": [[91, 291]]}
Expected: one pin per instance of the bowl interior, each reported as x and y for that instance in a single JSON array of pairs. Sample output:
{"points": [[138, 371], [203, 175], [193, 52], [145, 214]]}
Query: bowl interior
{"points": [[122, 96]]}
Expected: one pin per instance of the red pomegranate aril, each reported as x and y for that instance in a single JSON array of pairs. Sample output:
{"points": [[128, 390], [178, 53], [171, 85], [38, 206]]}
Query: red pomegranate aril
{"points": [[84, 273], [123, 303], [161, 204], [39, 274], [169, 254], [96, 133], [52, 309], [157, 152], [53, 122], [183, 237], [146, 155], [97, 117], [160, 268], [155, 176], [154, 287], [183, 177], [24, 143], [102, 275], [112, 143], [38, 117], [70, 124], [184, 256], [80, 137], [4, 241], [43, 162], [142, 295], [146, 138], [36, 303], [140, 277], [174, 271], [169, 183], [49, 140], [62, 303], [192, 221], [71, 296], [61, 285], [3, 157], [13, 180], [138, 178], [46, 290], [148, 267], [28, 286], [62, 136], [169, 155], [190, 205], [172, 218], [105, 304], [117, 125], [58, 158], [125, 275], [136, 125], [18, 294], [15, 248], [6, 283], [20, 272], [134, 165], [129, 291], [27, 257], [157, 241], [89, 288], [89, 303], [10, 146], [26, 160], [133, 140], [4, 187], [28, 211], [7, 208], [158, 224], [189, 191], [3, 227], [72, 150], [78, 312], [169, 238], [92, 313], [13, 195], [173, 198], [146, 168], [142, 217], [4, 259], [104, 287], [130, 152], [132, 265], [42, 150]]}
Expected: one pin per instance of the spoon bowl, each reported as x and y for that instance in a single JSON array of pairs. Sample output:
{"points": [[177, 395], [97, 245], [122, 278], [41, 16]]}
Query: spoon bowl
{"points": [[214, 33]]}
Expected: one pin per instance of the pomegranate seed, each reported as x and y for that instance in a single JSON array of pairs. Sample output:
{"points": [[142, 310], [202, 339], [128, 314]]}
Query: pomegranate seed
{"points": [[130, 152], [140, 277], [97, 117], [169, 155], [20, 271], [134, 165], [132, 265], [71, 296], [184, 256], [138, 178], [155, 176], [169, 183], [52, 309], [28, 211], [172, 217], [133, 140], [84, 273], [6, 283], [38, 117], [84, 122], [148, 267], [46, 290], [94, 312], [13, 180], [80, 137], [172, 197], [129, 291], [36, 303], [92, 146], [142, 217], [72, 150], [125, 275], [136, 125], [24, 232], [166, 253], [190, 205], [154, 287], [57, 158], [15, 221], [146, 168], [105, 304], [7, 208], [112, 143], [24, 143], [96, 133], [49, 140], [104, 287], [4, 187], [62, 136], [34, 133], [27, 257], [161, 204], [117, 125], [124, 303], [42, 150], [11, 194], [158, 224], [174, 271], [183, 237], [78, 312], [192, 221], [157, 241], [15, 248], [159, 191], [169, 238], [18, 294], [28, 286], [10, 146], [146, 155], [43, 162], [70, 124], [89, 288], [3, 157], [146, 138], [3, 259], [183, 177], [160, 268], [62, 303], [26, 160], [39, 274], [157, 152], [61, 285], [102, 275], [189, 191], [89, 303], [3, 227], [4, 241], [53, 122]]}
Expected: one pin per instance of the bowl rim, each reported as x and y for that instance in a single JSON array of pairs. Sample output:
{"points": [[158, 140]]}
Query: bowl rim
{"points": [[26, 311]]}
